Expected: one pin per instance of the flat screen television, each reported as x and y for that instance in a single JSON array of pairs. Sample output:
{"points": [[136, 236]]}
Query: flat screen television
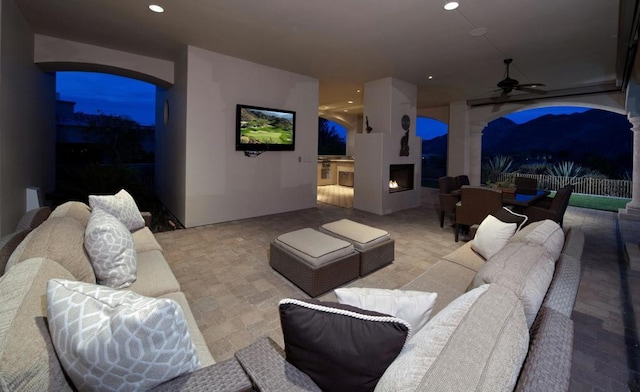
{"points": [[265, 129]]}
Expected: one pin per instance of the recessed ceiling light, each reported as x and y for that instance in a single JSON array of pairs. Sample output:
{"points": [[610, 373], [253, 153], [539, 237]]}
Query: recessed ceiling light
{"points": [[156, 8], [451, 5], [357, 91], [346, 110], [430, 77], [349, 101]]}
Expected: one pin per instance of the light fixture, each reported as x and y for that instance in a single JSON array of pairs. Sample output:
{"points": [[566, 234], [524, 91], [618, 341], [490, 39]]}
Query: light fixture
{"points": [[430, 77], [156, 8], [349, 101], [345, 110], [451, 5], [357, 91]]}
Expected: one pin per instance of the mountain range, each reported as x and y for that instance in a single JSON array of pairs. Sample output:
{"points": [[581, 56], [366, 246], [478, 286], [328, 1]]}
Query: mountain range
{"points": [[597, 139]]}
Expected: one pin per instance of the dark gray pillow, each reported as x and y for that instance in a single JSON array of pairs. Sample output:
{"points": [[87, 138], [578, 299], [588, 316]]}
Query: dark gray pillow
{"points": [[341, 347]]}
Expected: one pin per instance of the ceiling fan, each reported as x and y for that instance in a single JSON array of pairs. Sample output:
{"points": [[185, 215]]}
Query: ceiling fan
{"points": [[507, 85]]}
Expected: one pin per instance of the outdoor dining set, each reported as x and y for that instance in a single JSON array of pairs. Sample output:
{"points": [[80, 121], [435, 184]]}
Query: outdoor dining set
{"points": [[470, 205]]}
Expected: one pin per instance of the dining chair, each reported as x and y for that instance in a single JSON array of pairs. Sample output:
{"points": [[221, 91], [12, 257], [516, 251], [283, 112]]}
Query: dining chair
{"points": [[526, 185], [476, 203], [448, 199], [554, 210], [462, 180]]}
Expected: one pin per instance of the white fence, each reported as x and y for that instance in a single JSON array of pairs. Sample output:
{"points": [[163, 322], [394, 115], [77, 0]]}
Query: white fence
{"points": [[587, 185]]}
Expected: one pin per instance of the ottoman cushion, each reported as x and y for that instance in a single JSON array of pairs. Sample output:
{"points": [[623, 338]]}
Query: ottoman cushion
{"points": [[360, 235], [314, 247]]}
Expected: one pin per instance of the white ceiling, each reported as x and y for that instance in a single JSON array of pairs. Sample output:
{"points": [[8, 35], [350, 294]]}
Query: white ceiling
{"points": [[345, 43]]}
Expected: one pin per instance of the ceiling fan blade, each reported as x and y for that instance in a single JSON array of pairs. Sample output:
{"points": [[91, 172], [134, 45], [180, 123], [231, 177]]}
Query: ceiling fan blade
{"points": [[531, 89]]}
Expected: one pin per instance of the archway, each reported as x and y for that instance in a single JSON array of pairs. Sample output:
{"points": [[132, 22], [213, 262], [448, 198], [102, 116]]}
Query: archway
{"points": [[434, 149]]}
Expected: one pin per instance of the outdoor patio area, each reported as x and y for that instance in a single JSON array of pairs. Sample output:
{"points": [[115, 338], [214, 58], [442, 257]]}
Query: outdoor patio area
{"points": [[224, 271]]}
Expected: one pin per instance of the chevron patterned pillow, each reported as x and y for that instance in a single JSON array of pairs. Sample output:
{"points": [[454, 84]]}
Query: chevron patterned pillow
{"points": [[112, 340]]}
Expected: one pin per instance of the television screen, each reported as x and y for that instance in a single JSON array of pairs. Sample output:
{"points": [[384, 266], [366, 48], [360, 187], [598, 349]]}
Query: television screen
{"points": [[264, 129]]}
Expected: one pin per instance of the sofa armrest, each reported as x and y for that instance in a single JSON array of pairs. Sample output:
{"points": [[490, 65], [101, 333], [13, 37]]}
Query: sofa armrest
{"points": [[226, 376], [269, 371], [548, 363]]}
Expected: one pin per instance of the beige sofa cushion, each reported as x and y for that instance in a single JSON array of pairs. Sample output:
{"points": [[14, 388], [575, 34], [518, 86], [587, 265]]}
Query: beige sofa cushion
{"points": [[546, 233], [144, 240], [449, 280], [154, 277], [28, 360], [60, 240], [73, 209], [524, 268], [477, 343], [197, 339], [466, 257]]}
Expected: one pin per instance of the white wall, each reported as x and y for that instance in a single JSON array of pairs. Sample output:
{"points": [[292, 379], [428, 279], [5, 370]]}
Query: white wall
{"points": [[385, 102], [27, 118], [55, 54], [222, 184], [170, 168]]}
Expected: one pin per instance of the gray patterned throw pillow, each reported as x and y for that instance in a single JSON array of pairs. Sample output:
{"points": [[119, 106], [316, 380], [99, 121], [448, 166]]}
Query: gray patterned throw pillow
{"points": [[111, 250], [112, 340], [122, 206]]}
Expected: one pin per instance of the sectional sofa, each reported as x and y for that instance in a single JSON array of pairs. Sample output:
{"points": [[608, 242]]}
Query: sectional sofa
{"points": [[55, 250], [500, 323]]}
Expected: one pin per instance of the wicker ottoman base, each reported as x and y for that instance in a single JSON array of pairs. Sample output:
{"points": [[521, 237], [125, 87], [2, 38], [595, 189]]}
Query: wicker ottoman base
{"points": [[314, 280], [377, 257]]}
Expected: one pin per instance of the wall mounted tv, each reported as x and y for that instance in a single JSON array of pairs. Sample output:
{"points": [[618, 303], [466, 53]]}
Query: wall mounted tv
{"points": [[265, 129]]}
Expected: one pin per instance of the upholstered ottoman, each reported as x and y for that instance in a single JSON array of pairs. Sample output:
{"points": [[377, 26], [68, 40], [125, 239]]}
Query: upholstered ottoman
{"points": [[314, 261], [376, 247]]}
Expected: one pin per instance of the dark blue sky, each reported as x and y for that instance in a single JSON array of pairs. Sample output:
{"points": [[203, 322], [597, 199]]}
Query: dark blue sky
{"points": [[110, 94]]}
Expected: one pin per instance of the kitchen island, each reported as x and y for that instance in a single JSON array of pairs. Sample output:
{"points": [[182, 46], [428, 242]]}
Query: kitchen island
{"points": [[335, 171]]}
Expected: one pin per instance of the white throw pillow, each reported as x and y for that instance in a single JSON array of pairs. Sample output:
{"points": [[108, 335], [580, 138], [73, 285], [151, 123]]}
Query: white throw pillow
{"points": [[122, 206], [111, 250], [413, 307], [112, 340], [492, 235]]}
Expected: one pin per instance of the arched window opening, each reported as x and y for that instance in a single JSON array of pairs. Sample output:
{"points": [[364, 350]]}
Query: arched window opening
{"points": [[589, 148], [434, 149], [105, 135], [332, 138]]}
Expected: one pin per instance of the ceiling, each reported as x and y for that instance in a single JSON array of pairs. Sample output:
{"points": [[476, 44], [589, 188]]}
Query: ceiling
{"points": [[563, 44]]}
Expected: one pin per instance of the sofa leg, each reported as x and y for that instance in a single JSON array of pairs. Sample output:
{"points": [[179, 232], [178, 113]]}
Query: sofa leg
{"points": [[457, 231], [441, 219]]}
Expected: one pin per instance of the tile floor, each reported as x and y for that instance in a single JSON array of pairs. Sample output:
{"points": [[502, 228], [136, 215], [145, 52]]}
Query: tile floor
{"points": [[223, 270]]}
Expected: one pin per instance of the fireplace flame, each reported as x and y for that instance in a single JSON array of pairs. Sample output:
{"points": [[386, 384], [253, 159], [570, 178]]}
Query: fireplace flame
{"points": [[393, 184]]}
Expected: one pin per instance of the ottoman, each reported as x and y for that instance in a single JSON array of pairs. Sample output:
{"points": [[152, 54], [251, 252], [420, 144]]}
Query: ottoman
{"points": [[314, 261], [376, 247]]}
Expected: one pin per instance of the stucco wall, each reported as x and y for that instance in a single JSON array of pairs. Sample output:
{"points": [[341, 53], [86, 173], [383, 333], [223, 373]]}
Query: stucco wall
{"points": [[222, 184], [27, 117]]}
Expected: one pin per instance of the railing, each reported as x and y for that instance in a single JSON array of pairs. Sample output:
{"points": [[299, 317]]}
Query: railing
{"points": [[586, 185]]}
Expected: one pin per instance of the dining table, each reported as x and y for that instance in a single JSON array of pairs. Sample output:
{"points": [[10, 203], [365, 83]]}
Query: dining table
{"points": [[523, 200]]}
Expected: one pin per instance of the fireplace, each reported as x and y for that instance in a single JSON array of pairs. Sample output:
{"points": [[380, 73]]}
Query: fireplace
{"points": [[400, 178]]}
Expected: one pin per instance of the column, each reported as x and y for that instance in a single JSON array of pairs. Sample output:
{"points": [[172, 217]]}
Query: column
{"points": [[475, 151], [633, 207]]}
